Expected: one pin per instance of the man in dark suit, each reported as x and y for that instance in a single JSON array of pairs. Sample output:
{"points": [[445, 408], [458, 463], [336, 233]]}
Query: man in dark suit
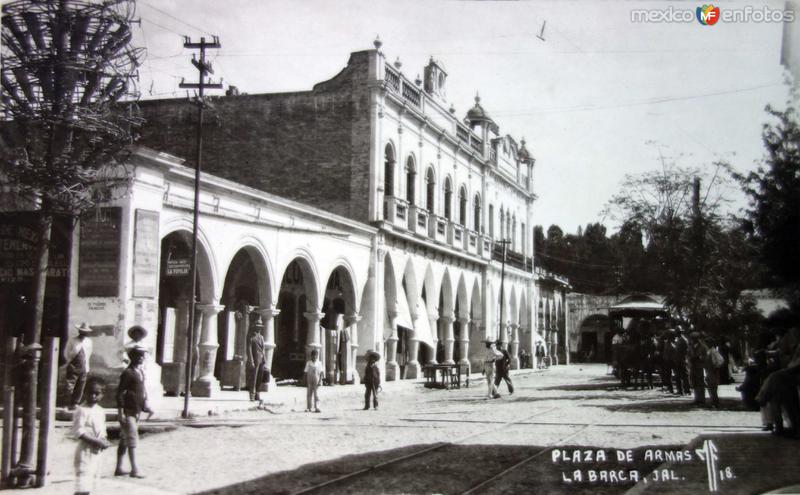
{"points": [[256, 360], [681, 362], [502, 368]]}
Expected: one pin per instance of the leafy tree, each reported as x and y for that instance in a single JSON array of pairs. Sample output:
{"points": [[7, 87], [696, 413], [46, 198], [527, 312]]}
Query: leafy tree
{"points": [[68, 66], [690, 248], [773, 220]]}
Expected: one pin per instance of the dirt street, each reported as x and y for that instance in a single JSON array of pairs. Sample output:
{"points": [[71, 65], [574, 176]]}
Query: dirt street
{"points": [[568, 429]]}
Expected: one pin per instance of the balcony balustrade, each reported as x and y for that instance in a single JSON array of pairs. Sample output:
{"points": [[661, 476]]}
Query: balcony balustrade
{"points": [[472, 242], [395, 211], [418, 220], [392, 79], [455, 236]]}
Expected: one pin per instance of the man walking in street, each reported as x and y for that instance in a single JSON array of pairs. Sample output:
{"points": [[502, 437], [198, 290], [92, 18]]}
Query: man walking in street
{"points": [[256, 360], [503, 366], [492, 355], [77, 355]]}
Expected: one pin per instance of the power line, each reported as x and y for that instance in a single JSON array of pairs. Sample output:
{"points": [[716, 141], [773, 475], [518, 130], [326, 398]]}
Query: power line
{"points": [[650, 101], [176, 18]]}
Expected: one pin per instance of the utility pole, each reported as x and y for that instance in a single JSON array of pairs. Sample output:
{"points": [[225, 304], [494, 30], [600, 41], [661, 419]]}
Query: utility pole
{"points": [[203, 68], [504, 243], [697, 246]]}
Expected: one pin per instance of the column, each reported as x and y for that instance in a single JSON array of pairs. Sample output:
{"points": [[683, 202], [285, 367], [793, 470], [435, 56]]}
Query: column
{"points": [[242, 328], [312, 335], [433, 321], [463, 342], [513, 348], [268, 316], [447, 334], [350, 371], [503, 337], [392, 368], [207, 350], [413, 368]]}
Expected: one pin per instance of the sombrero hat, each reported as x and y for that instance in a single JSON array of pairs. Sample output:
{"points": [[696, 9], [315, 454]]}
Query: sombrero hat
{"points": [[136, 348], [371, 353], [137, 329], [84, 328]]}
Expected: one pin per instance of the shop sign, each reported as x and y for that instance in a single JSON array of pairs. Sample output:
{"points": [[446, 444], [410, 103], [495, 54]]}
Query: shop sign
{"points": [[99, 253]]}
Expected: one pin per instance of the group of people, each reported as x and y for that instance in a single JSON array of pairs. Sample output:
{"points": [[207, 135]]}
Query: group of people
{"points": [[685, 365], [84, 393], [777, 365]]}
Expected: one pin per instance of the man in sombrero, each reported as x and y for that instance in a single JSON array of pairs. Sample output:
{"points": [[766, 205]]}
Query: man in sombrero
{"points": [[372, 379], [77, 355]]}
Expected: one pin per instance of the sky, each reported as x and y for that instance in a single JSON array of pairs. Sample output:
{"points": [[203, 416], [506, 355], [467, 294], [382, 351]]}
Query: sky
{"points": [[600, 97]]}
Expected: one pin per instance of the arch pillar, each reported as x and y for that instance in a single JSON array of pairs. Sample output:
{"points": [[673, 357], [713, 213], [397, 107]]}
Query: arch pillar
{"points": [[503, 337], [413, 368], [350, 373], [207, 350], [513, 347], [392, 368], [463, 343], [268, 316], [313, 340], [449, 339]]}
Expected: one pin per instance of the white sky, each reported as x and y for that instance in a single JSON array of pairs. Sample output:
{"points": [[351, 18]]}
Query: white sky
{"points": [[595, 101]]}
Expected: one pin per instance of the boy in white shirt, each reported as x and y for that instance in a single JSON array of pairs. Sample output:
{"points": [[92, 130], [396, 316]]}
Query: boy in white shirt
{"points": [[314, 372], [89, 429]]}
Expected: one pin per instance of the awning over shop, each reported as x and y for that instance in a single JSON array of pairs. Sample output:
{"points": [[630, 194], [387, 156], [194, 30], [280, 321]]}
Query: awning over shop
{"points": [[637, 305], [403, 316], [422, 326]]}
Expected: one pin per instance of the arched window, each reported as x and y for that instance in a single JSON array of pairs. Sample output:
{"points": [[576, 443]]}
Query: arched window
{"points": [[514, 232], [491, 220], [448, 199], [411, 179], [477, 213], [388, 171], [462, 206], [430, 180], [508, 225], [502, 224]]}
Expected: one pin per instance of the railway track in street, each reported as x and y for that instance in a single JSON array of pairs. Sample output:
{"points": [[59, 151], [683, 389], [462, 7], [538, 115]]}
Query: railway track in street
{"points": [[425, 458]]}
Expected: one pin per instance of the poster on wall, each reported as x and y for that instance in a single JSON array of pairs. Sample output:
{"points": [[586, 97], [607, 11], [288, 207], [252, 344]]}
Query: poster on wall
{"points": [[145, 254], [99, 253]]}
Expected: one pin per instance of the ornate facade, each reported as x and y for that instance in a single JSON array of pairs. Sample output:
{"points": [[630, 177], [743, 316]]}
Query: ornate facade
{"points": [[363, 214]]}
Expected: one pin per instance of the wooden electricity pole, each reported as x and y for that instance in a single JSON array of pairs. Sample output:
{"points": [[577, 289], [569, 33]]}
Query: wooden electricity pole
{"points": [[504, 243], [203, 68]]}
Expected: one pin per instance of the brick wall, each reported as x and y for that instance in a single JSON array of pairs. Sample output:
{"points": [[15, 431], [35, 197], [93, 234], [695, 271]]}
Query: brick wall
{"points": [[312, 147]]}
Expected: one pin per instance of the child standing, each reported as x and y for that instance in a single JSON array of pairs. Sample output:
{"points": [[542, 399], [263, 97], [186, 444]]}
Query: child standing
{"points": [[372, 379], [89, 429], [314, 372], [131, 402]]}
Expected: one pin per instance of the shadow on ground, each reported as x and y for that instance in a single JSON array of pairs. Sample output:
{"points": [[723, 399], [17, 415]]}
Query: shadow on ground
{"points": [[448, 468], [675, 405]]}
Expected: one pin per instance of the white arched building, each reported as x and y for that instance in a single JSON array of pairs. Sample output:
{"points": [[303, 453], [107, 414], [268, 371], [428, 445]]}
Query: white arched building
{"points": [[379, 229]]}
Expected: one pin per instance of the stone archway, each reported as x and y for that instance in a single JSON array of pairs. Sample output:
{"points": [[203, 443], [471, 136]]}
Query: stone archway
{"points": [[297, 324], [175, 288], [245, 293], [594, 339], [338, 326]]}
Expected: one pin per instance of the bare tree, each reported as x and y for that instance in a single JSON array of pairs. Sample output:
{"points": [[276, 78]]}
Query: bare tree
{"points": [[68, 88]]}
